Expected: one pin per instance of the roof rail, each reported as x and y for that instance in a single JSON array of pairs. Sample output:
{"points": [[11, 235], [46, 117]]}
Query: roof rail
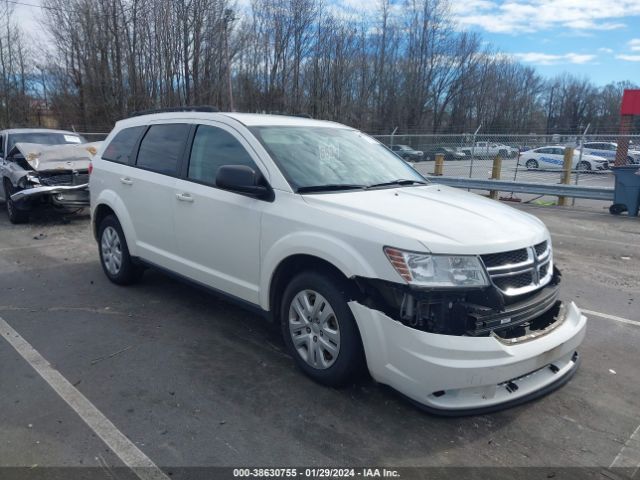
{"points": [[186, 108]]}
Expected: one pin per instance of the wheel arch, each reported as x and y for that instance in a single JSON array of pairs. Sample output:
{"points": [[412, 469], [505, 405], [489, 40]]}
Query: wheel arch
{"points": [[292, 265], [108, 203], [307, 251]]}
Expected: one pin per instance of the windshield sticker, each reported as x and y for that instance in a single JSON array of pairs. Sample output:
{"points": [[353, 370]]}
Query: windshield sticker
{"points": [[72, 139]]}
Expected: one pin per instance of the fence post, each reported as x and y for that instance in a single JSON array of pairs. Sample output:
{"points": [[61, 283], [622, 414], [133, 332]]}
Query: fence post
{"points": [[473, 149], [439, 166], [584, 134], [495, 175], [566, 173], [392, 134]]}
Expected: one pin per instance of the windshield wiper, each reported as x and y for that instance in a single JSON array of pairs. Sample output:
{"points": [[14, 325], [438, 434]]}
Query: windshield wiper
{"points": [[331, 187], [398, 182]]}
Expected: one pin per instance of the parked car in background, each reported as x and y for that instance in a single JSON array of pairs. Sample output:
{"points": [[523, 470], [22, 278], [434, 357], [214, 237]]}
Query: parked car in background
{"points": [[407, 153], [451, 298], [489, 149], [608, 150], [448, 152], [40, 166], [552, 157]]}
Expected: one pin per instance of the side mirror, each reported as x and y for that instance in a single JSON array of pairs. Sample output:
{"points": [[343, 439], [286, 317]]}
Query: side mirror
{"points": [[241, 179]]}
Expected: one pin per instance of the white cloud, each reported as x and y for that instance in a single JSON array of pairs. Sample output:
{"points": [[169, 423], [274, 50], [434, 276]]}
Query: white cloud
{"points": [[517, 16], [629, 58], [634, 44], [540, 58], [605, 50]]}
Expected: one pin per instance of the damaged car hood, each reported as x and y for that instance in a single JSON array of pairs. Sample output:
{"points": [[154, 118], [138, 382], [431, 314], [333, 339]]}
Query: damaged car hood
{"points": [[58, 157], [443, 219]]}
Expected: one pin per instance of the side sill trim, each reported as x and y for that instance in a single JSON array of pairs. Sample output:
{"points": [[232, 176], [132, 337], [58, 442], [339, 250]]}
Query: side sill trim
{"points": [[252, 307]]}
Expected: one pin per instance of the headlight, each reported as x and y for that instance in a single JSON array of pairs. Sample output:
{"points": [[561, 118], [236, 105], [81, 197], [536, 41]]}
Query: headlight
{"points": [[425, 269], [33, 178]]}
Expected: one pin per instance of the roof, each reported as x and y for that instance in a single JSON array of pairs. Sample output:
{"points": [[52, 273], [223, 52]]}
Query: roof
{"points": [[248, 119], [37, 130]]}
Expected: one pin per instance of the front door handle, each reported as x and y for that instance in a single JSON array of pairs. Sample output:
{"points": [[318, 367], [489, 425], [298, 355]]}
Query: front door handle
{"points": [[184, 197], [126, 180]]}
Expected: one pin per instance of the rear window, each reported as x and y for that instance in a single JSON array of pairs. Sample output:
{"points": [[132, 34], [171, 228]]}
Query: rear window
{"points": [[162, 146], [44, 138], [121, 147]]}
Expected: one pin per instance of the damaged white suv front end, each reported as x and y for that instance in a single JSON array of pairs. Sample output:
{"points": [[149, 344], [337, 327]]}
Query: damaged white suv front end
{"points": [[465, 315]]}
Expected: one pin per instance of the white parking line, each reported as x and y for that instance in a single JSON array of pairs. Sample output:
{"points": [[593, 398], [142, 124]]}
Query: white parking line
{"points": [[629, 456], [612, 317], [126, 451]]}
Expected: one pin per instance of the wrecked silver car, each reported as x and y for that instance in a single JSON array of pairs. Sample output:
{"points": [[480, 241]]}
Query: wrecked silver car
{"points": [[39, 166]]}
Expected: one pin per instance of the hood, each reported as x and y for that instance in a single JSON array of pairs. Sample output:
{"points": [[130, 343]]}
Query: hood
{"points": [[58, 157], [443, 219], [594, 158]]}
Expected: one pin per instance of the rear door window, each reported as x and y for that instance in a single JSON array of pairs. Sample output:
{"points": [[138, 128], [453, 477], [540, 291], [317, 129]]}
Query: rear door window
{"points": [[162, 147], [121, 147]]}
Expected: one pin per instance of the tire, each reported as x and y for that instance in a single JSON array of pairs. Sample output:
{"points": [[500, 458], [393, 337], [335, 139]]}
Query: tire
{"points": [[114, 253], [531, 164], [503, 153], [617, 209], [15, 215], [329, 349], [586, 166]]}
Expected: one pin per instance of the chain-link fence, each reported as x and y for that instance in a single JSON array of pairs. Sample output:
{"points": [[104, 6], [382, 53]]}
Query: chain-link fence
{"points": [[524, 158]]}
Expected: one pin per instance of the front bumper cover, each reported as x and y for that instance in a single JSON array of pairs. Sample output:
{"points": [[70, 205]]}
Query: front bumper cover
{"points": [[463, 375], [61, 195]]}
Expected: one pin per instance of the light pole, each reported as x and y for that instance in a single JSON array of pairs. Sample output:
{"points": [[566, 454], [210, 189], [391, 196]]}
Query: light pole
{"points": [[228, 18]]}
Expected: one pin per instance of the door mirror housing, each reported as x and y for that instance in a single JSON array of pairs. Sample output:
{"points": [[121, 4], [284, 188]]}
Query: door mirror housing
{"points": [[242, 179]]}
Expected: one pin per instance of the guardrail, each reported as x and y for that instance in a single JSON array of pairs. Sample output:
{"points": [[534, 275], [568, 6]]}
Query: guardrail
{"points": [[575, 191]]}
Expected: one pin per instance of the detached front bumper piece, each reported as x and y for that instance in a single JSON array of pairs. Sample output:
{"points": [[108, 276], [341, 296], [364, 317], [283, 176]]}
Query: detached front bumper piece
{"points": [[63, 195], [464, 375]]}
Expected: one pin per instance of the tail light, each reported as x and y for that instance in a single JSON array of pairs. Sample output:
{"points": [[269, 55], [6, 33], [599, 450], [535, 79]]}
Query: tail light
{"points": [[90, 167]]}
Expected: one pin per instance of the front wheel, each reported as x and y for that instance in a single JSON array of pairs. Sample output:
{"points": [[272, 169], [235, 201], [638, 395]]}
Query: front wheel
{"points": [[16, 215], [586, 166], [319, 329]]}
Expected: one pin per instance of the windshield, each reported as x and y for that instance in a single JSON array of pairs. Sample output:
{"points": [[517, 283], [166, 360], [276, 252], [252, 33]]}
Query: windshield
{"points": [[327, 156], [44, 138]]}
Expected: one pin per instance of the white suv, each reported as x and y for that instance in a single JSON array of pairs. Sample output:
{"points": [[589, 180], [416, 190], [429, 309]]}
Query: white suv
{"points": [[446, 296]]}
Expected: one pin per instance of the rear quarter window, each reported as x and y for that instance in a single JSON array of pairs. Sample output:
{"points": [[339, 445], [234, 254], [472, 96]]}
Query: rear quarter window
{"points": [[120, 149]]}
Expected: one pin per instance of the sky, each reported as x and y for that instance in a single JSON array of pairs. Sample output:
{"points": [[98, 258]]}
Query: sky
{"points": [[597, 39]]}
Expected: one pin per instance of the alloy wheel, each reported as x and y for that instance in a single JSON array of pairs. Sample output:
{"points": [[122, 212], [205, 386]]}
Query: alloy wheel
{"points": [[111, 248]]}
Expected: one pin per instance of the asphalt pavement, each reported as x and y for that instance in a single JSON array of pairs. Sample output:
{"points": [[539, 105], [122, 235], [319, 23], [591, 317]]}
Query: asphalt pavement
{"points": [[190, 380]]}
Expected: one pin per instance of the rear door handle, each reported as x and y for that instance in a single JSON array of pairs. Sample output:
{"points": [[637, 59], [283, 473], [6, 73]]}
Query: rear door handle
{"points": [[126, 180], [184, 197]]}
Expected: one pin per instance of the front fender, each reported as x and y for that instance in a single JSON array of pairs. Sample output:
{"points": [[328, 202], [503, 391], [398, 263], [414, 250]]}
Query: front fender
{"points": [[326, 247], [113, 201]]}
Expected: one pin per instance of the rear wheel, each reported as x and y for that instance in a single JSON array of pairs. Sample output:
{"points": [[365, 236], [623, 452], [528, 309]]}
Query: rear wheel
{"points": [[15, 215], [319, 329], [114, 253], [617, 209], [531, 163]]}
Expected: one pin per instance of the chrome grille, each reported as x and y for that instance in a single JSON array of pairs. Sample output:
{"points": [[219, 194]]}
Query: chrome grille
{"points": [[516, 272]]}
